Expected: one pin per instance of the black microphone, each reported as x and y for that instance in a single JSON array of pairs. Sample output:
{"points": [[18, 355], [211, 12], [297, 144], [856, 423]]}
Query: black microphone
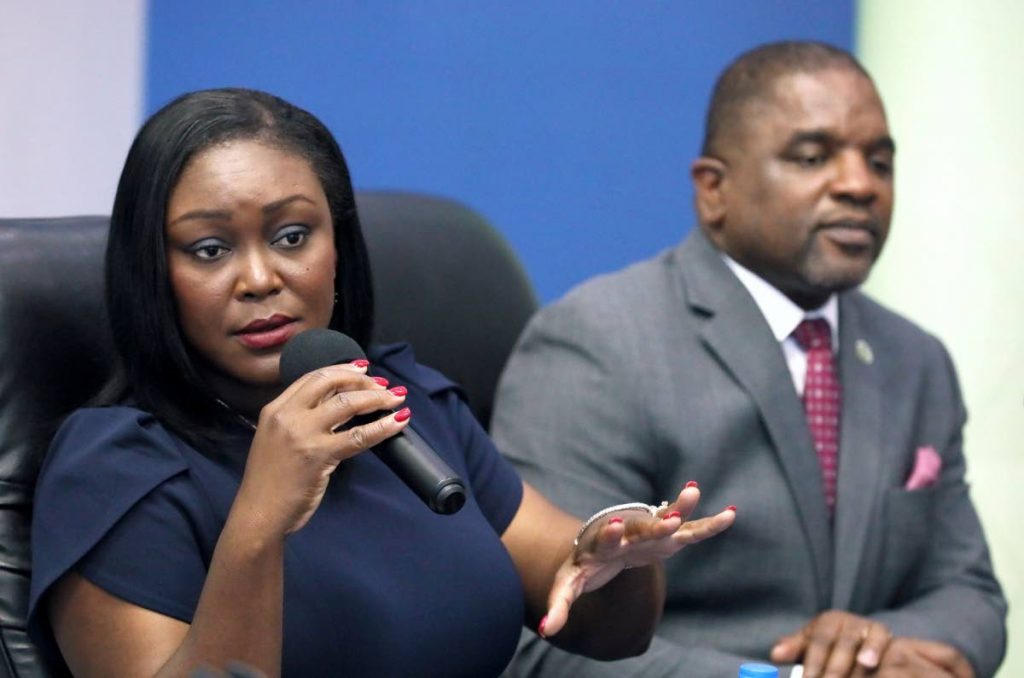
{"points": [[406, 454]]}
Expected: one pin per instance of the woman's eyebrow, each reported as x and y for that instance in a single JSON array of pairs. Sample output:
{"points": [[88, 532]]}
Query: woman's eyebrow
{"points": [[278, 204], [222, 215]]}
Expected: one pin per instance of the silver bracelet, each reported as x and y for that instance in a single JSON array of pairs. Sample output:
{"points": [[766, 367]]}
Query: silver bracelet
{"points": [[632, 506]]}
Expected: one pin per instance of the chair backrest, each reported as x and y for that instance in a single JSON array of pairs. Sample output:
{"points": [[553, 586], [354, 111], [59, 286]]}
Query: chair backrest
{"points": [[448, 283], [444, 280]]}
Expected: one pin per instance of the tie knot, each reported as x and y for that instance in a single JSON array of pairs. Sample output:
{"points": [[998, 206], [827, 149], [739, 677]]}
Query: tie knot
{"points": [[813, 333]]}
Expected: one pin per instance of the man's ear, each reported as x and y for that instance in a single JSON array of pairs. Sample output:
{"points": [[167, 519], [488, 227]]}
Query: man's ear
{"points": [[708, 175]]}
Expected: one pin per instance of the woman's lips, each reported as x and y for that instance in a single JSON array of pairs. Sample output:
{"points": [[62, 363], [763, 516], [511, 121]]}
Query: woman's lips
{"points": [[266, 335]]}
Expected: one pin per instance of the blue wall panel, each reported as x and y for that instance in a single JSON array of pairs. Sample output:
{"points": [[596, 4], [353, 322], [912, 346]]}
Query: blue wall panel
{"points": [[569, 124]]}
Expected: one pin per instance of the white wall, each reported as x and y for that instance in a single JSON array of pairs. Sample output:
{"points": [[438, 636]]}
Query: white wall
{"points": [[70, 102], [952, 77]]}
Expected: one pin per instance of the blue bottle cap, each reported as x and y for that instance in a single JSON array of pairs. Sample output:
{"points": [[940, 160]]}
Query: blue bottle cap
{"points": [[758, 671]]}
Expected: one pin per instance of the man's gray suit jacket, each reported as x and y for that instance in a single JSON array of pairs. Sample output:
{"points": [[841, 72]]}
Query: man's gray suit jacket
{"points": [[666, 372]]}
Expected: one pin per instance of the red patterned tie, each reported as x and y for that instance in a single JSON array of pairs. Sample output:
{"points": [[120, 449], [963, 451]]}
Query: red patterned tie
{"points": [[822, 399]]}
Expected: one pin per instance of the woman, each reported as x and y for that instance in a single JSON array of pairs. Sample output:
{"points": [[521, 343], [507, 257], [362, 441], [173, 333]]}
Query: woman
{"points": [[210, 513]]}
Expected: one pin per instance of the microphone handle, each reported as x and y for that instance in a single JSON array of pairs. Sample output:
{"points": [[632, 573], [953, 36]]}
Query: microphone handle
{"points": [[426, 474]]}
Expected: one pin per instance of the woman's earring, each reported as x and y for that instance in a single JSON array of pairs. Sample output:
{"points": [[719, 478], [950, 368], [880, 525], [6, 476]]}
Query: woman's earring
{"points": [[335, 298]]}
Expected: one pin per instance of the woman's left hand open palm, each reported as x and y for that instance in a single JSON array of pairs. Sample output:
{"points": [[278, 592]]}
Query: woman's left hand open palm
{"points": [[628, 539]]}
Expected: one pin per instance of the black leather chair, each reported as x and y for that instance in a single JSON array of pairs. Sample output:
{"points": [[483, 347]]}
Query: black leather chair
{"points": [[444, 280]]}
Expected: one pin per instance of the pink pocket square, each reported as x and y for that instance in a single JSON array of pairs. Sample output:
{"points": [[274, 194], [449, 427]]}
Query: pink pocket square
{"points": [[926, 469]]}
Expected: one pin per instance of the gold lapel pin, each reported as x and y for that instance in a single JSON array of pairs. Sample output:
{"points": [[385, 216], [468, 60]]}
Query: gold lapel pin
{"points": [[864, 352]]}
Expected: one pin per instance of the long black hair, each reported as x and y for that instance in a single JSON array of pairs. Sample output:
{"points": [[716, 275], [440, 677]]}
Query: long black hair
{"points": [[157, 370]]}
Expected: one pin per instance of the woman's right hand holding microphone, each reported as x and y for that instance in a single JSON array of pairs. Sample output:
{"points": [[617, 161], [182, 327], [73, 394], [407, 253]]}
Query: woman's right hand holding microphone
{"points": [[301, 438]]}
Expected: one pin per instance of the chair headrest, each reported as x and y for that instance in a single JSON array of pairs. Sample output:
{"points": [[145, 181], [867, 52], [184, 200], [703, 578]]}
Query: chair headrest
{"points": [[54, 343], [448, 282]]}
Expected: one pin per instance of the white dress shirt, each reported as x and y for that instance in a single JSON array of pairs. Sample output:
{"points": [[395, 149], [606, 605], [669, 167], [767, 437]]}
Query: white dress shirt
{"points": [[783, 316]]}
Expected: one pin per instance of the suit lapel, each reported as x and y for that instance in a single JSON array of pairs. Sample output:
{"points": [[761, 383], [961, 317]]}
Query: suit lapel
{"points": [[860, 449], [736, 332]]}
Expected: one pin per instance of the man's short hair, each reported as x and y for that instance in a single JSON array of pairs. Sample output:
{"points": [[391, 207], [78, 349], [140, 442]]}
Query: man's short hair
{"points": [[753, 74]]}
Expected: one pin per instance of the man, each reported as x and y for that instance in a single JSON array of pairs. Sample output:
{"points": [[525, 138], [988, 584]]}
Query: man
{"points": [[856, 549]]}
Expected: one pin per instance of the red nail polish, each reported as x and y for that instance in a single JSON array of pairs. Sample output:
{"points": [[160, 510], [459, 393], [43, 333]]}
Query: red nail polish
{"points": [[541, 625], [361, 363], [399, 391], [614, 521], [380, 380], [403, 414], [673, 514], [692, 483], [730, 507]]}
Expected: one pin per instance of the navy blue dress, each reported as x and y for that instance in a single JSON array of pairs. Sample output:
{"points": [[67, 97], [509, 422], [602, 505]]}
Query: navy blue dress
{"points": [[375, 584]]}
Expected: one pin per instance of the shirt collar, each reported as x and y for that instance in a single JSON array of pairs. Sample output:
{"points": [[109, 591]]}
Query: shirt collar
{"points": [[779, 310]]}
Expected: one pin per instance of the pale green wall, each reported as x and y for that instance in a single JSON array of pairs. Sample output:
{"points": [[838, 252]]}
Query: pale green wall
{"points": [[951, 74]]}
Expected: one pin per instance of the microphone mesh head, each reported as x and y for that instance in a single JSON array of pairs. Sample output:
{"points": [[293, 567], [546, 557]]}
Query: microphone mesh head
{"points": [[313, 349]]}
